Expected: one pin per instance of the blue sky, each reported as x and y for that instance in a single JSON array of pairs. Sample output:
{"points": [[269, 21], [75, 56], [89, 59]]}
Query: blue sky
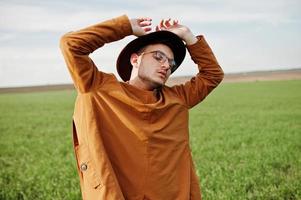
{"points": [[244, 35]]}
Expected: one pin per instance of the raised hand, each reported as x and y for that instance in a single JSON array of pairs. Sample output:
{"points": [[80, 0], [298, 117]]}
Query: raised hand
{"points": [[182, 31], [141, 26]]}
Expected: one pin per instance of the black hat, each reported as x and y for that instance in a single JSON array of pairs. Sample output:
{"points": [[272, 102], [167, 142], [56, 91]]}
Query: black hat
{"points": [[174, 42]]}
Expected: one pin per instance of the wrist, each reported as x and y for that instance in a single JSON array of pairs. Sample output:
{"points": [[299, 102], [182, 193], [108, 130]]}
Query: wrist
{"points": [[132, 23], [190, 39]]}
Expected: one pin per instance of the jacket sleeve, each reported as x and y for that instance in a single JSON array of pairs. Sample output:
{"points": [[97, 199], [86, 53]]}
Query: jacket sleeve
{"points": [[76, 47], [209, 76]]}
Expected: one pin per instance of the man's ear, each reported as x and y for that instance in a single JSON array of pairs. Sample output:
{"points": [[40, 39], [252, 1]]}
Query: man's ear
{"points": [[134, 60]]}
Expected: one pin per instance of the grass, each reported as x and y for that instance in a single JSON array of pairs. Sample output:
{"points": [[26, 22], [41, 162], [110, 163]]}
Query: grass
{"points": [[245, 140]]}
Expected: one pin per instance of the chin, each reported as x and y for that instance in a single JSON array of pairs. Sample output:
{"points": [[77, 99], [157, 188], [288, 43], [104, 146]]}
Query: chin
{"points": [[157, 84]]}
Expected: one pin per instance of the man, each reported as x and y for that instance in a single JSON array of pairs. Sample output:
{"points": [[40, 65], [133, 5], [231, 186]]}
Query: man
{"points": [[131, 137]]}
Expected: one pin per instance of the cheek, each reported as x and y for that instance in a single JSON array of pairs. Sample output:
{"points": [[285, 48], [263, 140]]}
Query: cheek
{"points": [[147, 66], [168, 73], [143, 70]]}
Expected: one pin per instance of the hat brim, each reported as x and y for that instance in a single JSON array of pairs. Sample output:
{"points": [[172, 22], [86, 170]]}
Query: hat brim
{"points": [[174, 42]]}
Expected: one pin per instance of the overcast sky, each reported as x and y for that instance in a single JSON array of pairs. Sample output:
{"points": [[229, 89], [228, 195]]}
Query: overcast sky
{"points": [[244, 35]]}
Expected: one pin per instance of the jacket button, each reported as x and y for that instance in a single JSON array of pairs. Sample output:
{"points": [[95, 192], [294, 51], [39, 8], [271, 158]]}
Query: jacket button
{"points": [[83, 167]]}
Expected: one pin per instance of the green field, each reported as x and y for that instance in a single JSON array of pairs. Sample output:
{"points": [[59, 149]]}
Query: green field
{"points": [[245, 138]]}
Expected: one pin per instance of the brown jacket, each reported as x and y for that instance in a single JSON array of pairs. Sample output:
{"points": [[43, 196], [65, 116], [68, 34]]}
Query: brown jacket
{"points": [[130, 143]]}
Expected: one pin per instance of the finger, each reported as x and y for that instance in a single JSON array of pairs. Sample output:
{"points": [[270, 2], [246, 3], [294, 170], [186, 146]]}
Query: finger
{"points": [[147, 29], [167, 23], [159, 26], [162, 23], [140, 20], [144, 19], [175, 22], [145, 23]]}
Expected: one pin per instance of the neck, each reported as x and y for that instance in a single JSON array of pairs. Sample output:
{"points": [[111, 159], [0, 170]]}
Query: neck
{"points": [[141, 84]]}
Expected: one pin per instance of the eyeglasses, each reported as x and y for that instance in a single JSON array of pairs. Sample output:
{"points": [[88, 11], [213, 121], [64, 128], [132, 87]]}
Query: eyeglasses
{"points": [[162, 58]]}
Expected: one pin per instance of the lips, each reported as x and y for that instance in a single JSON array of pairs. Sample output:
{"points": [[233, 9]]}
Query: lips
{"points": [[162, 73]]}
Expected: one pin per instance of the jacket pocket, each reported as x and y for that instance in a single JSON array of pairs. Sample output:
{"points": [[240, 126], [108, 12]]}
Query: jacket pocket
{"points": [[86, 167]]}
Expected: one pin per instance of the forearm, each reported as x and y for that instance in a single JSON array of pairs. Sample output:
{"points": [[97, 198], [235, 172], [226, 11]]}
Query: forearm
{"points": [[209, 76], [202, 55], [87, 40]]}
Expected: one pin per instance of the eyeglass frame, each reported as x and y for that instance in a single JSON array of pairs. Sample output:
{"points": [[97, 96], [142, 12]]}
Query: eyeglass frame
{"points": [[171, 62]]}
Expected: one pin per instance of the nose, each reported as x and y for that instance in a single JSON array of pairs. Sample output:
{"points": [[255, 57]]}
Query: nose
{"points": [[166, 65]]}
